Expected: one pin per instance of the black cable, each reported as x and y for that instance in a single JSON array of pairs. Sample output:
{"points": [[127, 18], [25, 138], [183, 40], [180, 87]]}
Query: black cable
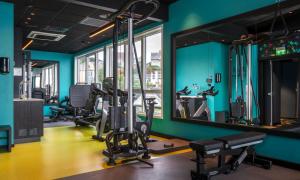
{"points": [[115, 70], [239, 54], [140, 76], [279, 11]]}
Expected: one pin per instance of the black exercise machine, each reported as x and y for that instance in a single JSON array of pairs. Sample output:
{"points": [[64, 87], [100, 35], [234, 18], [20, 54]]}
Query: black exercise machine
{"points": [[231, 152], [184, 109], [85, 100], [59, 113], [123, 119]]}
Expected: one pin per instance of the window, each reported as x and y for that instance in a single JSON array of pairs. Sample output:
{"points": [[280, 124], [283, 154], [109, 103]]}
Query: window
{"points": [[95, 66], [90, 68], [153, 70], [100, 67], [81, 64], [121, 64]]}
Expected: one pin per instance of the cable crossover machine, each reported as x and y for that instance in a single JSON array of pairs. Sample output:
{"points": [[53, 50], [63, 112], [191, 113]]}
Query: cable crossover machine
{"points": [[127, 139]]}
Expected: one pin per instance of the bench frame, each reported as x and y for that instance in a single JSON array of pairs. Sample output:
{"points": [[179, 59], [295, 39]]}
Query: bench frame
{"points": [[229, 159]]}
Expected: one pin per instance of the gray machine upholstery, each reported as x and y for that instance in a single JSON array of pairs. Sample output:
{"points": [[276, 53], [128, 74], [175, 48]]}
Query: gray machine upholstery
{"points": [[79, 95]]}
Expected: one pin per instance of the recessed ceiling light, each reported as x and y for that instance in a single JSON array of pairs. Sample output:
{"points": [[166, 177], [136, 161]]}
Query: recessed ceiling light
{"points": [[291, 12], [32, 14], [29, 18]]}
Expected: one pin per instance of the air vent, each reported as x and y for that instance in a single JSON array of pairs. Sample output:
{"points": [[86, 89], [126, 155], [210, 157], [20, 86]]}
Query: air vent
{"points": [[92, 22], [45, 36], [56, 29]]}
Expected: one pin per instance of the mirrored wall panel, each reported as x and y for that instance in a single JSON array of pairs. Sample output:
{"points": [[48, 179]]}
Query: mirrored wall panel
{"points": [[45, 81], [241, 72]]}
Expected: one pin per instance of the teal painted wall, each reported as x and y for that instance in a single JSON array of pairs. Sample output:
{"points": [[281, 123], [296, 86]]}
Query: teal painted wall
{"points": [[191, 13], [66, 71], [7, 50], [194, 64]]}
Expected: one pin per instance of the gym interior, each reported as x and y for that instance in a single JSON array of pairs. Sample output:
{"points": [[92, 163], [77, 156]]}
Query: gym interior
{"points": [[150, 89]]}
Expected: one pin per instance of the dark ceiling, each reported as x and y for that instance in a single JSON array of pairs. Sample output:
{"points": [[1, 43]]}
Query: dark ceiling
{"points": [[254, 22], [64, 17]]}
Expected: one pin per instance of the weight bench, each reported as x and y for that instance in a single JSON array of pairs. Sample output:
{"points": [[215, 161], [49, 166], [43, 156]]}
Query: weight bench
{"points": [[7, 129], [231, 151]]}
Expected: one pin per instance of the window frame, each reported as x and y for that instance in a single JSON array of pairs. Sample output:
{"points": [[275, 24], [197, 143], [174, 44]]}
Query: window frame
{"points": [[85, 56]]}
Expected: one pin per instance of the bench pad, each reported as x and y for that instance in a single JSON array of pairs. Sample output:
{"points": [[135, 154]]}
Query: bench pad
{"points": [[243, 138], [206, 145]]}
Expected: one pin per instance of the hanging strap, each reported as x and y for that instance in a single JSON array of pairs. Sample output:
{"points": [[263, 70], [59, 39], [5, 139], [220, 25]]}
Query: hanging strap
{"points": [[277, 12]]}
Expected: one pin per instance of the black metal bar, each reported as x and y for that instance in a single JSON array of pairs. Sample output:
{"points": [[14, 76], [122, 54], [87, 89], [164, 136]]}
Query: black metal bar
{"points": [[140, 76], [240, 71], [115, 69]]}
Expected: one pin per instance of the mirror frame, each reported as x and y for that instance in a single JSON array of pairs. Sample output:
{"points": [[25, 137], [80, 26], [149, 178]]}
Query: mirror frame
{"points": [[175, 35], [58, 78]]}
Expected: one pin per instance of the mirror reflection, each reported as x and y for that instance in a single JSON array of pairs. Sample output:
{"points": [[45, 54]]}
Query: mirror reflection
{"points": [[242, 71], [45, 81]]}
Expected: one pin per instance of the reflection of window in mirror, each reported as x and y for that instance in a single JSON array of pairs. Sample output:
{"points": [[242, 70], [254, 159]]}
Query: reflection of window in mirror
{"points": [[45, 81]]}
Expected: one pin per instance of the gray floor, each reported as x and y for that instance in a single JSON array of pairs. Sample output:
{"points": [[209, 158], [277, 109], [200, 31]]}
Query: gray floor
{"points": [[58, 124]]}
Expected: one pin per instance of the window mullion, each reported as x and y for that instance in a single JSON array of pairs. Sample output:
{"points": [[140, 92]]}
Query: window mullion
{"points": [[96, 67]]}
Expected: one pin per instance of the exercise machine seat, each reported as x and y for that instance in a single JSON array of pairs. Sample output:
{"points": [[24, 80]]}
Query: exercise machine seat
{"points": [[240, 140], [206, 145]]}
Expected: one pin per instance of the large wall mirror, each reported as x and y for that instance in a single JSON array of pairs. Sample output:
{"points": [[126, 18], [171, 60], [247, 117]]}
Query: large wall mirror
{"points": [[241, 72], [45, 80]]}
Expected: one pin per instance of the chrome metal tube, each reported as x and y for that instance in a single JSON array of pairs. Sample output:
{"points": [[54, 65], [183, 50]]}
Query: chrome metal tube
{"points": [[271, 93], [29, 79], [130, 75], [249, 84]]}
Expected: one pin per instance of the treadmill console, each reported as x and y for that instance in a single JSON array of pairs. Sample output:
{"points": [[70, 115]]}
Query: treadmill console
{"points": [[281, 47]]}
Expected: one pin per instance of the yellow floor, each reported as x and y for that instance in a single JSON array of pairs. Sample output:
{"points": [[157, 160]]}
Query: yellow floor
{"points": [[63, 151]]}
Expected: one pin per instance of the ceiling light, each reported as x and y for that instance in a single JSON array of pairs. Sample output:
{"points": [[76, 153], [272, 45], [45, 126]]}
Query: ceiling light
{"points": [[32, 14], [291, 12], [102, 29], [29, 18], [27, 44]]}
